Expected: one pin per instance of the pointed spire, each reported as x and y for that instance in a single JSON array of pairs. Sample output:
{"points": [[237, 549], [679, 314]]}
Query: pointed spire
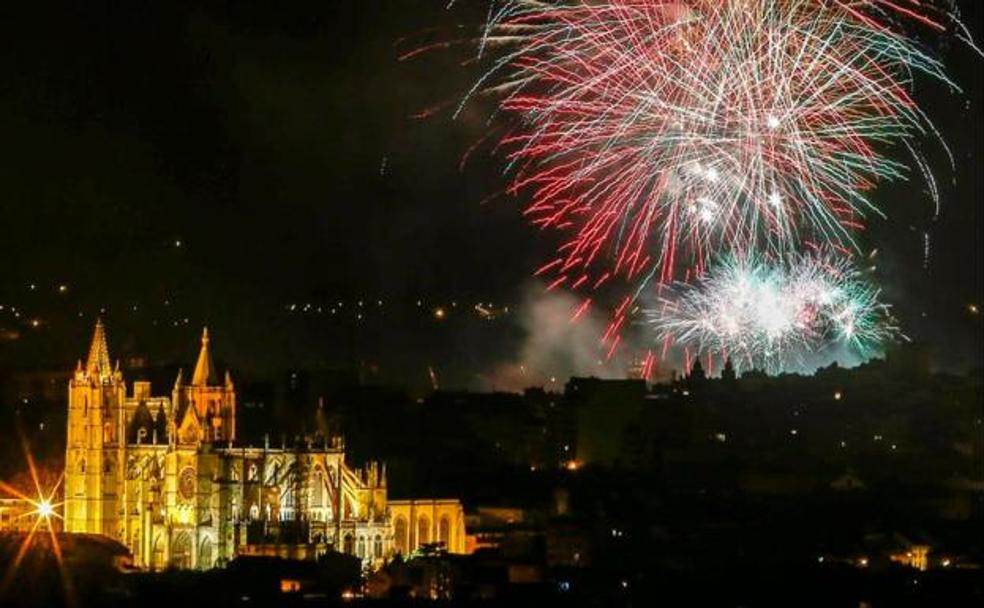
{"points": [[98, 362], [228, 379], [179, 379], [204, 370]]}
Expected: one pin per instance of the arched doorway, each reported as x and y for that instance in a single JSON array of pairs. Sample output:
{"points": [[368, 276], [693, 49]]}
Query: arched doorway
{"points": [[348, 544], [205, 558], [157, 554], [181, 552]]}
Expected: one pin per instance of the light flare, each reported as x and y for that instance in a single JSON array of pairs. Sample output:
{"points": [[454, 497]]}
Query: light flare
{"points": [[44, 511]]}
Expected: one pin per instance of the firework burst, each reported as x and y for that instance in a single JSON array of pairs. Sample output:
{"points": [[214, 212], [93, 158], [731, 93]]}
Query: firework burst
{"points": [[656, 135], [767, 315]]}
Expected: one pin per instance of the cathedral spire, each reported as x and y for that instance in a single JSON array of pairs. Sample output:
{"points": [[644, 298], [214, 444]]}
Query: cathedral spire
{"points": [[204, 370], [98, 362]]}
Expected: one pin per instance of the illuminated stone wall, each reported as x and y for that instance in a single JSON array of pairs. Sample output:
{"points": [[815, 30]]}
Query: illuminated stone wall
{"points": [[164, 477]]}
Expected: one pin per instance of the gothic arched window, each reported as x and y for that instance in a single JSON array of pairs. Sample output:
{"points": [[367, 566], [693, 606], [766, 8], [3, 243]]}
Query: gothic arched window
{"points": [[318, 490], [444, 531], [205, 554], [80, 489], [423, 531], [287, 504], [400, 530]]}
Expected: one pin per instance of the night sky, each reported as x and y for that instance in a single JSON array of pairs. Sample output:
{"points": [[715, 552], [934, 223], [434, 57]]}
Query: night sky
{"points": [[219, 163]]}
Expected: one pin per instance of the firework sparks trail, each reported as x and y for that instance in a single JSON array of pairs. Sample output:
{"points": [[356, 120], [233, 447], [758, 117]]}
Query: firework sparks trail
{"points": [[763, 315], [656, 135]]}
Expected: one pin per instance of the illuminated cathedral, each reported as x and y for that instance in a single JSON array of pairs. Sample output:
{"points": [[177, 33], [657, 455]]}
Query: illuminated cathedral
{"points": [[165, 476]]}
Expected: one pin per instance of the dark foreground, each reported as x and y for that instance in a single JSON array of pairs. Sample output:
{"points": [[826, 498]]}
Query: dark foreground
{"points": [[94, 573]]}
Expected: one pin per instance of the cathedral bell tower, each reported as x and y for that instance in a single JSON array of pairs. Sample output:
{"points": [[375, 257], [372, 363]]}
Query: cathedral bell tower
{"points": [[207, 405], [93, 451]]}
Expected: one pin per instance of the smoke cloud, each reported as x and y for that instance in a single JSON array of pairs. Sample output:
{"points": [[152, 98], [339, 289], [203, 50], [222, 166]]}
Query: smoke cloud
{"points": [[555, 347]]}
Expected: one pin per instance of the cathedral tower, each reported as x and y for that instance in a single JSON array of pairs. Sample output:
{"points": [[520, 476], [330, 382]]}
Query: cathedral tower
{"points": [[96, 397], [206, 406]]}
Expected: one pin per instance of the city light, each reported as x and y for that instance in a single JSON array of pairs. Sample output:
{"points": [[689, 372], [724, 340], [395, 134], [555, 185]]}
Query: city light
{"points": [[44, 513], [45, 508]]}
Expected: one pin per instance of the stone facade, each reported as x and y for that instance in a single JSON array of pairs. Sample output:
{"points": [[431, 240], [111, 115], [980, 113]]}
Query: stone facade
{"points": [[422, 522], [166, 477]]}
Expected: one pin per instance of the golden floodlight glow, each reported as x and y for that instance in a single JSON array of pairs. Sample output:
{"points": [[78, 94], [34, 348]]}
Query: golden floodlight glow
{"points": [[45, 508], [44, 515]]}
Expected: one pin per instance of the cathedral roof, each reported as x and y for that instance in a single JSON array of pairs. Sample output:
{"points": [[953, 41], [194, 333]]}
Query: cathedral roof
{"points": [[142, 419], [205, 370], [98, 361]]}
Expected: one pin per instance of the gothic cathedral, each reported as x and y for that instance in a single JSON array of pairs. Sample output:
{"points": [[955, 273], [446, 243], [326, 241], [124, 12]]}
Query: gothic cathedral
{"points": [[166, 477]]}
